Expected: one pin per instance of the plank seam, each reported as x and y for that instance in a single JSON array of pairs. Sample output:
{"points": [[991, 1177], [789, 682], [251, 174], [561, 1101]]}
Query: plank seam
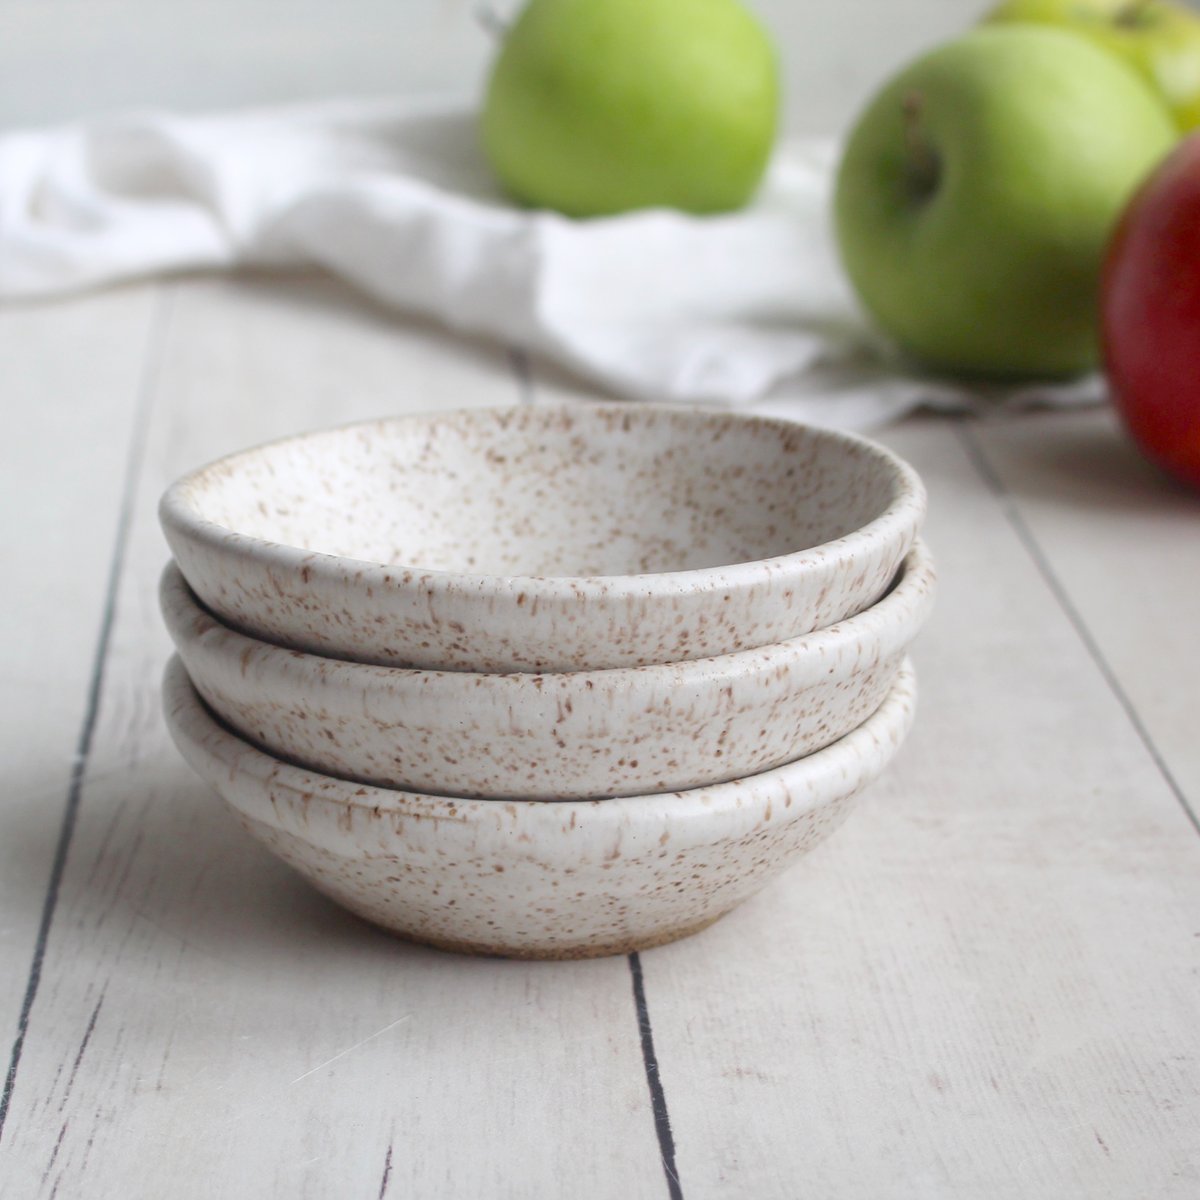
{"points": [[658, 1098], [83, 748], [387, 1173], [1042, 563]]}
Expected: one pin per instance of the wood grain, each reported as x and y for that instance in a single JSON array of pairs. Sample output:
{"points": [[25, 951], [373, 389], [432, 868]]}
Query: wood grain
{"points": [[201, 1013], [986, 985], [72, 376], [1122, 543]]}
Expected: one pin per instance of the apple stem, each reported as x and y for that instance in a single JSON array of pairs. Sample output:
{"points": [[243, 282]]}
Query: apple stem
{"points": [[490, 20], [924, 164], [1132, 14]]}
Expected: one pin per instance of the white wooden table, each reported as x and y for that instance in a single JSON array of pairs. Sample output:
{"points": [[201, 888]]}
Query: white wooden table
{"points": [[986, 986]]}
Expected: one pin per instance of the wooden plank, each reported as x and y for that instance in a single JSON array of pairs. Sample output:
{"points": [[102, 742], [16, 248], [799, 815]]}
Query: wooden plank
{"points": [[985, 985], [1122, 545], [71, 378], [206, 1025]]}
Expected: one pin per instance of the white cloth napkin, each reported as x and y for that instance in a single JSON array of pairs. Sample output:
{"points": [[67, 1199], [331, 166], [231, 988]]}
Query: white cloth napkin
{"points": [[748, 309]]}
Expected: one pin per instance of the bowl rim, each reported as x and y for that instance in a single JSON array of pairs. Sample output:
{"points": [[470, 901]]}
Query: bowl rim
{"points": [[847, 762], [901, 519], [892, 620]]}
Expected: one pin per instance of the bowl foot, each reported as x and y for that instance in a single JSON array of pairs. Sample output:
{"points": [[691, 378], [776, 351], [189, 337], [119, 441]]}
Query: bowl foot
{"points": [[545, 951]]}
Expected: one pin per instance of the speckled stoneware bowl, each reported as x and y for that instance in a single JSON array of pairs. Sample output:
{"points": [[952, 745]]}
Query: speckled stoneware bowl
{"points": [[545, 539], [624, 731], [529, 879]]}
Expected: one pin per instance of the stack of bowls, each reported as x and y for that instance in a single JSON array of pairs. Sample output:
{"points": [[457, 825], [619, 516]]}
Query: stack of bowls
{"points": [[545, 682]]}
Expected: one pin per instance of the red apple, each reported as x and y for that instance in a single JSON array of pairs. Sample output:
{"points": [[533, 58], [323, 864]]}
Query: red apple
{"points": [[1150, 314]]}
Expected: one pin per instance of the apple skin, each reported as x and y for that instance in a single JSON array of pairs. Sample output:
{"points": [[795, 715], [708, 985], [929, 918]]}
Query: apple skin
{"points": [[1158, 39], [1150, 315], [596, 107], [978, 191]]}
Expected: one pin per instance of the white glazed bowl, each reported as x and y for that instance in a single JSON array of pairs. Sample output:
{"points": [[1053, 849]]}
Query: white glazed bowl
{"points": [[624, 732], [545, 539], [528, 879]]}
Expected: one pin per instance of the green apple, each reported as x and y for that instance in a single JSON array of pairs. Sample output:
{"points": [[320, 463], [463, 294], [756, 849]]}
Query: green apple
{"points": [[600, 106], [978, 190], [1159, 39]]}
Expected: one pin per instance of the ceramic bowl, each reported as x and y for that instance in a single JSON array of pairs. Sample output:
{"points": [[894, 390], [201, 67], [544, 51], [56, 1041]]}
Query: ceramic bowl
{"points": [[528, 879], [545, 539], [624, 731]]}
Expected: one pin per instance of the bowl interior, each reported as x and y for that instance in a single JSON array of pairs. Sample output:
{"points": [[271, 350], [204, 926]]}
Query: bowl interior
{"points": [[587, 491]]}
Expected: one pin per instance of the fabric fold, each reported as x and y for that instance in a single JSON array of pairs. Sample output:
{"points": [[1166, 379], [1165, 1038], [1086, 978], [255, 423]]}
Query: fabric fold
{"points": [[747, 309]]}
